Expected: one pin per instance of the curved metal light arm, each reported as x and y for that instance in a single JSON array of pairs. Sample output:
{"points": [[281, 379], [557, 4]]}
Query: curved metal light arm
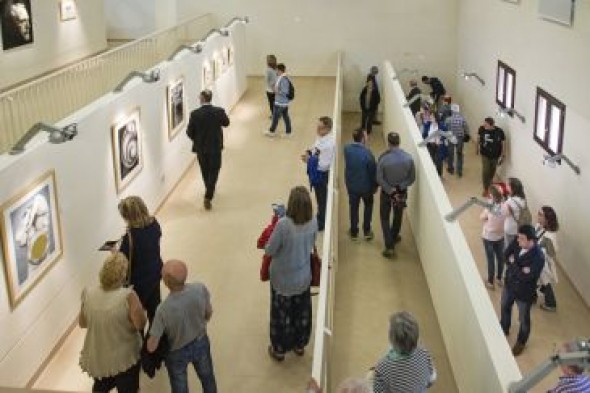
{"points": [[453, 215], [147, 77], [198, 48], [56, 135]]}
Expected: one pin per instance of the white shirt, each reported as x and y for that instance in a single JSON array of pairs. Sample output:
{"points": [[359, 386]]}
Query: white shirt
{"points": [[515, 204], [326, 146]]}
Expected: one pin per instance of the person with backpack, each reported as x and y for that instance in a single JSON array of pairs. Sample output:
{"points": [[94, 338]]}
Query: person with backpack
{"points": [[319, 161], [515, 209], [284, 93]]}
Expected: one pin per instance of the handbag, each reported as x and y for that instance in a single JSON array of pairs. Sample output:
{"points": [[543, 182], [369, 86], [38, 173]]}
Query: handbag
{"points": [[316, 267], [265, 267]]}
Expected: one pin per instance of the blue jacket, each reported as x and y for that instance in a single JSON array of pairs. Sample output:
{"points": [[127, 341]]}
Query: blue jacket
{"points": [[360, 169]]}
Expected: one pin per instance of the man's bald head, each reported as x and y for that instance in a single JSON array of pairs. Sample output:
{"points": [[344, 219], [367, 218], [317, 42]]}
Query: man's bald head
{"points": [[174, 273]]}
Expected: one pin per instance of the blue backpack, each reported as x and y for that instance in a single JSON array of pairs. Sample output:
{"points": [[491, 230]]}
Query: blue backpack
{"points": [[314, 174]]}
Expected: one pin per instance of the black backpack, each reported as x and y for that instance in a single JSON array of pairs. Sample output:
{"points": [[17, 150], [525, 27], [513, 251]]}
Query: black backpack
{"points": [[291, 93]]}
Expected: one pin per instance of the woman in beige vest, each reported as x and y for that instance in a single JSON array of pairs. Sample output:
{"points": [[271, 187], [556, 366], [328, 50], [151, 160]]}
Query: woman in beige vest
{"points": [[114, 318]]}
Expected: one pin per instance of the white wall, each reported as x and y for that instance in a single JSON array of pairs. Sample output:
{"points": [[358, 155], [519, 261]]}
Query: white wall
{"points": [[132, 19], [55, 43], [478, 351], [556, 59], [88, 199], [306, 35]]}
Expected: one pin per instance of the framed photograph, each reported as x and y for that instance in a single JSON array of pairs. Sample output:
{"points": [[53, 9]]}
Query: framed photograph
{"points": [[17, 23], [225, 58], [176, 111], [207, 74], [127, 150], [218, 67], [31, 236], [67, 10], [230, 55]]}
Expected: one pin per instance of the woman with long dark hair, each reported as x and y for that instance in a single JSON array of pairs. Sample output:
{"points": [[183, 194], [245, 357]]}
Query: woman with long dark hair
{"points": [[546, 231], [290, 247]]}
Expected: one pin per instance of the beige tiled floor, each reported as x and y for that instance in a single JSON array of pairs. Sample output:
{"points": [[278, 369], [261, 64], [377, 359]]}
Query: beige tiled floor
{"points": [[370, 288], [572, 319]]}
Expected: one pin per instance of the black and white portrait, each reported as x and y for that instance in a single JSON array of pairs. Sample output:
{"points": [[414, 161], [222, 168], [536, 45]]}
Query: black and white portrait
{"points": [[17, 23], [176, 114], [31, 235], [127, 150]]}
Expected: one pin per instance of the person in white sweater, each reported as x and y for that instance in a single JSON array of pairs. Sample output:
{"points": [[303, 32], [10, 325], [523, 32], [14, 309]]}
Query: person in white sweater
{"points": [[512, 208], [493, 237], [546, 231]]}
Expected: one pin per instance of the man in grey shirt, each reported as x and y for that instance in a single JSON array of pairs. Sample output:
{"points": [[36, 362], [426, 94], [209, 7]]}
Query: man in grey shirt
{"points": [[395, 173], [183, 317]]}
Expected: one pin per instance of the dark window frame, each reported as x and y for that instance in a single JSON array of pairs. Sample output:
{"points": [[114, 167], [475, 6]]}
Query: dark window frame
{"points": [[551, 102], [507, 70]]}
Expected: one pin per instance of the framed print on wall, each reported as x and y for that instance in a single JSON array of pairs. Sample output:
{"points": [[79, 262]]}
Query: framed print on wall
{"points": [[176, 113], [218, 67], [127, 151], [230, 55], [31, 236], [67, 10], [207, 74], [17, 23]]}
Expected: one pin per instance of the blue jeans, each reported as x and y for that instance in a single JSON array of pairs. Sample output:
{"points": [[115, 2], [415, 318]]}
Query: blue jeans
{"points": [[524, 315], [451, 157], [354, 201], [197, 352], [494, 249], [280, 111]]}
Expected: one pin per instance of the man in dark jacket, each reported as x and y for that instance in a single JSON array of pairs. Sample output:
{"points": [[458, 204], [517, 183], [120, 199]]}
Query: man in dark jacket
{"points": [[414, 91], [438, 90], [205, 130], [369, 100], [360, 171], [524, 263]]}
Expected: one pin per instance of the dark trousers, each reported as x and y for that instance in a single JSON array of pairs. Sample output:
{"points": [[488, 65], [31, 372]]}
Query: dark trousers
{"points": [[150, 301], [547, 291], [495, 255], [488, 171], [290, 321], [354, 201], [210, 164], [458, 149], [271, 101], [367, 119], [390, 228], [321, 197], [278, 112], [125, 382], [524, 315]]}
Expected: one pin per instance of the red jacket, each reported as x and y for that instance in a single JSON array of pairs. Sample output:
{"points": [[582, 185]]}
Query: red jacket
{"points": [[261, 243]]}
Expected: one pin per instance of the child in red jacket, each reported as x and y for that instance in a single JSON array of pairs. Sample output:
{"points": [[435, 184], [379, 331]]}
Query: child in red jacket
{"points": [[278, 212]]}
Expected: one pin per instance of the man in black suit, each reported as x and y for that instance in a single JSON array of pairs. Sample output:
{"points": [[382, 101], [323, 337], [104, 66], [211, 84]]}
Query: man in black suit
{"points": [[524, 263], [205, 130], [438, 90]]}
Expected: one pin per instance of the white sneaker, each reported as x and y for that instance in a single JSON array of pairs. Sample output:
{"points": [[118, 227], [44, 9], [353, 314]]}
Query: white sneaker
{"points": [[270, 134], [288, 136]]}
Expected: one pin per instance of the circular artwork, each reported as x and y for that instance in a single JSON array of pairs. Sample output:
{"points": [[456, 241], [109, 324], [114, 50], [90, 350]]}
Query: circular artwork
{"points": [[129, 148]]}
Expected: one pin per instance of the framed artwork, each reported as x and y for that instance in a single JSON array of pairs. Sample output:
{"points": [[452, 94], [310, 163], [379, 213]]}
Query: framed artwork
{"points": [[207, 74], [67, 10], [217, 66], [17, 23], [31, 236], [225, 58], [127, 151], [230, 55], [176, 112]]}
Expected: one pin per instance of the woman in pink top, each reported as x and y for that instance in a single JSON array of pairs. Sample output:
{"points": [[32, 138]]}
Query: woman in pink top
{"points": [[493, 237]]}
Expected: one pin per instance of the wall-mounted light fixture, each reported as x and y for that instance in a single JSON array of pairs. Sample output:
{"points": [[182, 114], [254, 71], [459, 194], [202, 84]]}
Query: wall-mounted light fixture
{"points": [[413, 71], [424, 97], [502, 112], [494, 208], [473, 75], [196, 49], [147, 77], [56, 135], [431, 137], [553, 160]]}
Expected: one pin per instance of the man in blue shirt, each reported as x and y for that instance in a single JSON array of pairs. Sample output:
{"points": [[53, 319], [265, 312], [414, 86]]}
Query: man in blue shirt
{"points": [[395, 173], [360, 171]]}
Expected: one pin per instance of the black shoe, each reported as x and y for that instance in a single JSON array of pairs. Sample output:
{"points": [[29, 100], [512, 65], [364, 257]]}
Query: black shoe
{"points": [[388, 253], [450, 170], [207, 204], [353, 237], [369, 235], [279, 357], [517, 348], [398, 239], [376, 122], [548, 308]]}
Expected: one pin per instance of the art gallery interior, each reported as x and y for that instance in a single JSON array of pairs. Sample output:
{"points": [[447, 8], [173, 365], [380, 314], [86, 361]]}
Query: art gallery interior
{"points": [[94, 102]]}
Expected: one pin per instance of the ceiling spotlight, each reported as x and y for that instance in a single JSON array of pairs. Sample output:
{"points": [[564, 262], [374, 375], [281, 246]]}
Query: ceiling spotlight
{"points": [[502, 112], [553, 160], [224, 31], [56, 135], [471, 75], [147, 77]]}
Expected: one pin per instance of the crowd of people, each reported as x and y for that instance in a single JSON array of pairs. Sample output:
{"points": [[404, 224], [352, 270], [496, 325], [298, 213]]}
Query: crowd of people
{"points": [[128, 325]]}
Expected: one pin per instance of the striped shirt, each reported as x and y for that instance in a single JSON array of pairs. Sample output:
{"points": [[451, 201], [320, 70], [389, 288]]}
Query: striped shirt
{"points": [[572, 384], [457, 125], [397, 373]]}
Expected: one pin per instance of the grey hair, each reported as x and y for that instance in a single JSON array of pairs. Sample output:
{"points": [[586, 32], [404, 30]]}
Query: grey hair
{"points": [[354, 385], [403, 332]]}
